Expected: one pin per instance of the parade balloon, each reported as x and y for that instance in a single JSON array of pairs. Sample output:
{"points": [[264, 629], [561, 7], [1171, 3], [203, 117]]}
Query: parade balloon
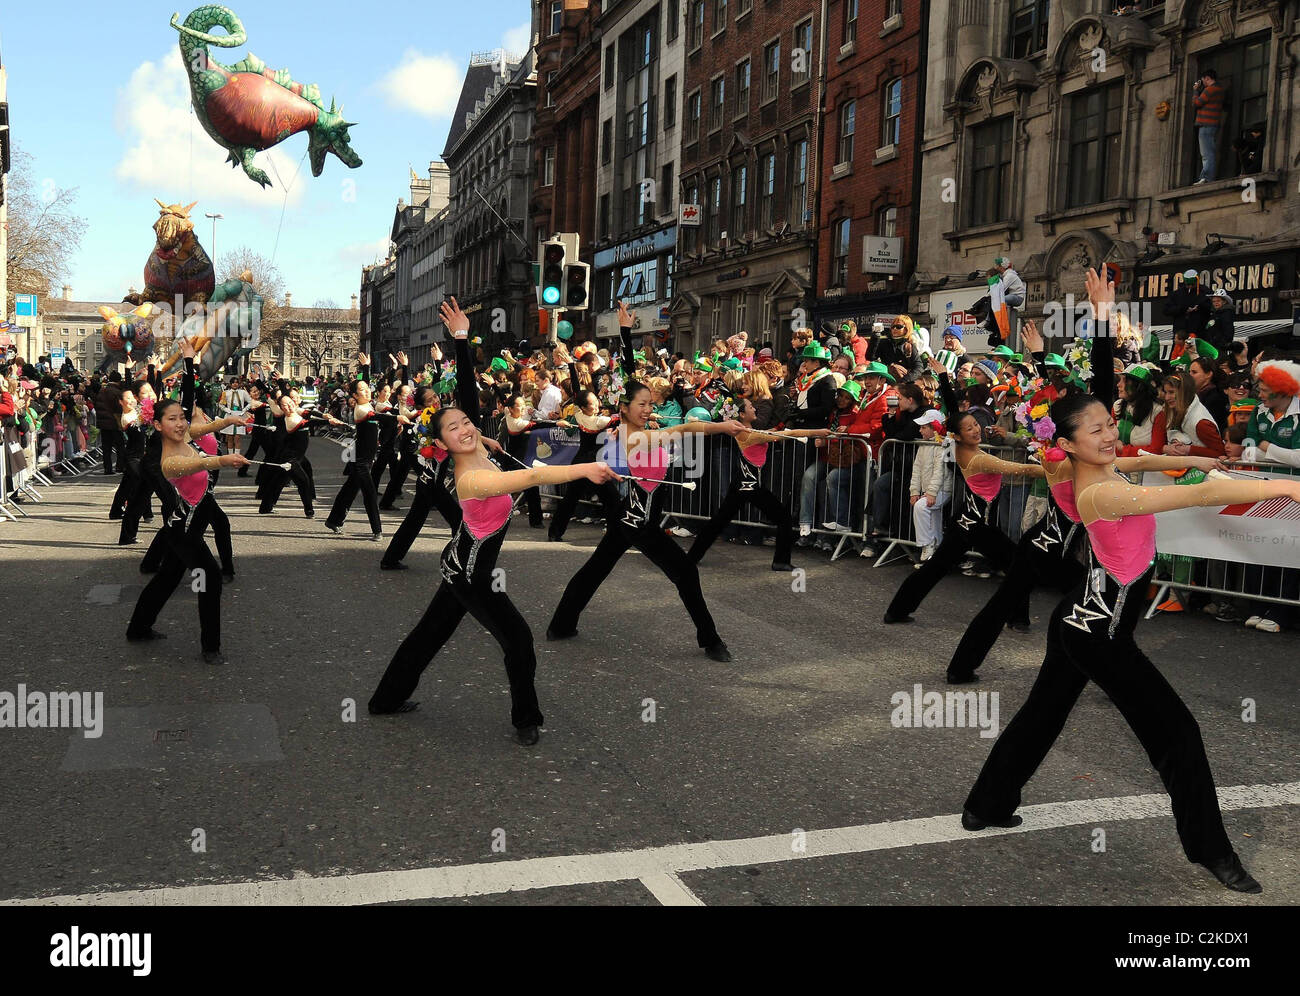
{"points": [[127, 336], [564, 330], [248, 107], [698, 414]]}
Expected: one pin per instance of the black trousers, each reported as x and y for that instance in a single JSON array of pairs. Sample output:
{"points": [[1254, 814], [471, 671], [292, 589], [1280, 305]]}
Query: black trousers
{"points": [[254, 444], [1047, 555], [385, 459], [398, 472], [958, 540], [187, 557], [207, 513], [357, 477], [764, 501], [1090, 637], [459, 594], [137, 499], [111, 441], [276, 479], [660, 551], [429, 493], [574, 492]]}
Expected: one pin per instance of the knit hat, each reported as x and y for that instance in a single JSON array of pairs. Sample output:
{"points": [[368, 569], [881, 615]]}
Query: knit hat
{"points": [[948, 358], [989, 368], [953, 330], [765, 353], [737, 342]]}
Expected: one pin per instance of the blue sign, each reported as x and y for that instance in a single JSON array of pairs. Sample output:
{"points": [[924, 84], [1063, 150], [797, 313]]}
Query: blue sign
{"points": [[58, 355], [25, 305]]}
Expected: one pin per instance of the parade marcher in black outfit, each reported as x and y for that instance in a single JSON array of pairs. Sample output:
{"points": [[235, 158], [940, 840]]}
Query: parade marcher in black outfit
{"points": [[292, 450], [635, 517], [746, 487], [592, 433], [259, 438], [181, 478], [135, 490], [1090, 638], [469, 563], [406, 454], [435, 484], [357, 472], [518, 427]]}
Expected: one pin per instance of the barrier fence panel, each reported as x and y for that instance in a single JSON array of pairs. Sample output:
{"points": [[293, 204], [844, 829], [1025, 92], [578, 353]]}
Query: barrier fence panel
{"points": [[4, 483]]}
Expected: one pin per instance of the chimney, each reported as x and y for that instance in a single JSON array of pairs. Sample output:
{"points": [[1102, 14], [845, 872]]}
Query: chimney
{"points": [[67, 293], [288, 300]]}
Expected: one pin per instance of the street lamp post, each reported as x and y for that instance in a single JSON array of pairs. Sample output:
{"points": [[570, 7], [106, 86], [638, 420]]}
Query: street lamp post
{"points": [[215, 218]]}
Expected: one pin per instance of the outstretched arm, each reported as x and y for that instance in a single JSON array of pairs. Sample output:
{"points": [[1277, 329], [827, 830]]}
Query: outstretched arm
{"points": [[984, 463], [1113, 500], [1126, 465], [490, 483]]}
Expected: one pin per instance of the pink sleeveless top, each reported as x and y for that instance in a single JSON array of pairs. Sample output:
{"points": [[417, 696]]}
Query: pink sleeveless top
{"points": [[1125, 548], [1064, 495], [986, 486], [484, 516], [652, 465], [192, 487], [756, 454]]}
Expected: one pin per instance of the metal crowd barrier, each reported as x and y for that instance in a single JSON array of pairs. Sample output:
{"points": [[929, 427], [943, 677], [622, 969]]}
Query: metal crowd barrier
{"points": [[4, 485]]}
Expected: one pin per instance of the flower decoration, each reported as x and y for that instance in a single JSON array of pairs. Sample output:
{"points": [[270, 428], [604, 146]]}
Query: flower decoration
{"points": [[1079, 358], [727, 409]]}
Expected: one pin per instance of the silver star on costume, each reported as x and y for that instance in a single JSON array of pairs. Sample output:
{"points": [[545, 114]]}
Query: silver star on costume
{"points": [[637, 513], [748, 479], [1082, 617], [969, 514], [1051, 534], [451, 566]]}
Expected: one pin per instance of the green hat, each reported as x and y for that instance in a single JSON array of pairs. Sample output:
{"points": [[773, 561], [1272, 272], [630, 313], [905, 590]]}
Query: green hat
{"points": [[498, 364], [1206, 349], [815, 351], [1138, 371], [1004, 352], [733, 364], [877, 369], [1054, 360], [853, 390], [948, 358], [702, 363]]}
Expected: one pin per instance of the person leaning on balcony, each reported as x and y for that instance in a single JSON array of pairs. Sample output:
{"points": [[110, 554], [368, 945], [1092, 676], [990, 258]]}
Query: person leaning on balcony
{"points": [[1208, 101]]}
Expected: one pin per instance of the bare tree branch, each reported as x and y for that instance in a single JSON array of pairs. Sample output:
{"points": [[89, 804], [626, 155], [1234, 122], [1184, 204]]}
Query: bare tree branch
{"points": [[43, 232]]}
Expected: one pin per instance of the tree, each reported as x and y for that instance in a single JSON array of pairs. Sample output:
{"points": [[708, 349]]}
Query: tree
{"points": [[44, 234], [323, 333], [268, 282]]}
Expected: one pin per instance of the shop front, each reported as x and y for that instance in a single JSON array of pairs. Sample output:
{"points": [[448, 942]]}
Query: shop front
{"points": [[638, 272]]}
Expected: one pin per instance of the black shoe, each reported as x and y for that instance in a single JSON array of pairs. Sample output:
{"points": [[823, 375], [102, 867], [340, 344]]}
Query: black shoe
{"points": [[1019, 627], [1230, 872], [146, 518], [129, 542], [227, 575], [890, 619], [114, 516], [265, 511], [153, 634], [719, 652], [390, 508], [970, 821], [962, 679], [214, 657], [552, 538], [309, 512], [333, 528], [527, 735], [384, 565], [783, 566], [407, 706], [552, 634]]}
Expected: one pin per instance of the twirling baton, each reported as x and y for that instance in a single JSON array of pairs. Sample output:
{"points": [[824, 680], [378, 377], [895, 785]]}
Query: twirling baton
{"points": [[688, 485]]}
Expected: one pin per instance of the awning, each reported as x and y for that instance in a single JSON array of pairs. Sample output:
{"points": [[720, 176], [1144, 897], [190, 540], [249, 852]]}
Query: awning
{"points": [[1244, 331]]}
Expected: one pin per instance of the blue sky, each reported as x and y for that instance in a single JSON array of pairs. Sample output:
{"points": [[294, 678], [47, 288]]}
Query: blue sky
{"points": [[115, 123]]}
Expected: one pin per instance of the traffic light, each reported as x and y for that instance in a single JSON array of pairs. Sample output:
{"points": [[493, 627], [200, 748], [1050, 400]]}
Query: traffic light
{"points": [[577, 286], [550, 290]]}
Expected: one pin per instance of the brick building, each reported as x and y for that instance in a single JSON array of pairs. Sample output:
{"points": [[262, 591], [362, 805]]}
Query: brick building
{"points": [[870, 159], [750, 164], [567, 54]]}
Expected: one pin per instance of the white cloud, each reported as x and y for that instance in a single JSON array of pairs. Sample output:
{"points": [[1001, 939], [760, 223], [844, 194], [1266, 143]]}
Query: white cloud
{"points": [[428, 85], [360, 254], [516, 40], [175, 160]]}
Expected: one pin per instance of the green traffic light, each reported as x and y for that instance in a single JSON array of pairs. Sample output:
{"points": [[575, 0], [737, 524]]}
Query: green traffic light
{"points": [[551, 295]]}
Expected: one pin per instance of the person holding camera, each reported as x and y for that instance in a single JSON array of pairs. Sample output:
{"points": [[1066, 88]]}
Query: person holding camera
{"points": [[1208, 100]]}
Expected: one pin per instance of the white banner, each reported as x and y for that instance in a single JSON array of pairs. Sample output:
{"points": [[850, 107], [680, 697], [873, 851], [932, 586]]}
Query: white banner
{"points": [[1266, 532]]}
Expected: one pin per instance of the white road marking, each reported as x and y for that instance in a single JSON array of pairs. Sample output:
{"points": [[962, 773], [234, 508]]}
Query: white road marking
{"points": [[657, 867]]}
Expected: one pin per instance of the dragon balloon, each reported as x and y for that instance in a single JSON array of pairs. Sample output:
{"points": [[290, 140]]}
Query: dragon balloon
{"points": [[228, 328], [248, 107], [125, 334]]}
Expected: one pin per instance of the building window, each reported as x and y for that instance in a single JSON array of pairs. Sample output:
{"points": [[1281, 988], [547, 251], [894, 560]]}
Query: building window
{"points": [[848, 112], [850, 21], [887, 222], [670, 102], [665, 188], [739, 198], [1028, 28], [1095, 123], [742, 312], [893, 8], [607, 142], [798, 183], [548, 166], [771, 70], [719, 15], [766, 191], [840, 246], [693, 116], [671, 9], [695, 38], [604, 216], [893, 113], [550, 84], [557, 16], [691, 234], [712, 212], [715, 317], [1243, 72], [743, 7], [609, 67], [666, 275], [803, 42], [717, 102], [989, 198], [742, 88]]}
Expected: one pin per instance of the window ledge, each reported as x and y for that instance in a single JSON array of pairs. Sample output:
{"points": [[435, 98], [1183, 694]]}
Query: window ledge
{"points": [[841, 170], [956, 235], [891, 25], [721, 31], [1101, 207], [801, 83], [884, 155], [846, 50], [1170, 198]]}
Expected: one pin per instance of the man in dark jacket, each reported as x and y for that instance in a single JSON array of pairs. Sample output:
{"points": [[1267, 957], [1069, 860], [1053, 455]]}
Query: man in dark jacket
{"points": [[1220, 325], [1188, 307], [107, 407]]}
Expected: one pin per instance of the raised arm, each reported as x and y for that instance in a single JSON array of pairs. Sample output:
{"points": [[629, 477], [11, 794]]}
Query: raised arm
{"points": [[1101, 295], [984, 463], [625, 323], [457, 323], [1113, 500]]}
